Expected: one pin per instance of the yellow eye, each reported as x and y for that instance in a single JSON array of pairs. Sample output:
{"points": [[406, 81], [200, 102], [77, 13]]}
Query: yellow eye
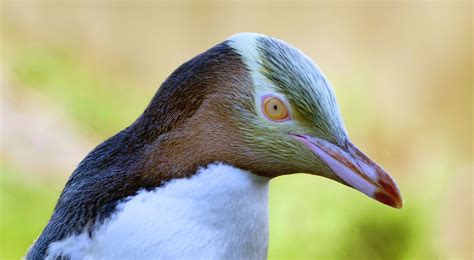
{"points": [[275, 109]]}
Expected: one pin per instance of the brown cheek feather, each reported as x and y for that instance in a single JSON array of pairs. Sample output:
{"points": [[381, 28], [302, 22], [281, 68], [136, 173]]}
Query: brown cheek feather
{"points": [[206, 135]]}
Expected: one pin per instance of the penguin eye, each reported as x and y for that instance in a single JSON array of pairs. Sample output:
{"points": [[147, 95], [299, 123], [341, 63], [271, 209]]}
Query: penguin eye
{"points": [[275, 109]]}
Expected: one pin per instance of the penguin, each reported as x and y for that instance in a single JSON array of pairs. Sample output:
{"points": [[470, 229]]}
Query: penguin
{"points": [[189, 178]]}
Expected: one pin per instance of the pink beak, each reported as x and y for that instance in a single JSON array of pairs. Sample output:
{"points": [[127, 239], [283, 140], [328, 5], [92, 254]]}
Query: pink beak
{"points": [[355, 169]]}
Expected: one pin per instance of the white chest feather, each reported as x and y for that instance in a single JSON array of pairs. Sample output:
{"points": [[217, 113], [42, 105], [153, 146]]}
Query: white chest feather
{"points": [[219, 213]]}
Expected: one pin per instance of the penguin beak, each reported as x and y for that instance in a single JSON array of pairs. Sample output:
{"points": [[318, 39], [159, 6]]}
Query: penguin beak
{"points": [[355, 169]]}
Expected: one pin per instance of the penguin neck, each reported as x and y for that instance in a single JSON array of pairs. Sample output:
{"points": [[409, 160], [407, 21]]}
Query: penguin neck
{"points": [[219, 212], [220, 205]]}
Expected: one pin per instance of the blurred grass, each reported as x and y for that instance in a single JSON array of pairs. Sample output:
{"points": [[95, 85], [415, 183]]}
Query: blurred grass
{"points": [[330, 221], [80, 90], [24, 207]]}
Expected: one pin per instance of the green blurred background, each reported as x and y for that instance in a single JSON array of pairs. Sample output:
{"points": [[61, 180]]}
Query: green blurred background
{"points": [[75, 73]]}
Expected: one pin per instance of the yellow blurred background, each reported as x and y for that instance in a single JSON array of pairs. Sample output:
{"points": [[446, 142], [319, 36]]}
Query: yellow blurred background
{"points": [[75, 72]]}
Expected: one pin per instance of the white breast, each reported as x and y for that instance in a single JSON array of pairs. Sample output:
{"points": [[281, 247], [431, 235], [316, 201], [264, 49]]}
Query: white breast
{"points": [[219, 213]]}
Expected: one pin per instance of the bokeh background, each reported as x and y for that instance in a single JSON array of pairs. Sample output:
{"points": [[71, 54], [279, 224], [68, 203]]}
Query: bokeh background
{"points": [[75, 72]]}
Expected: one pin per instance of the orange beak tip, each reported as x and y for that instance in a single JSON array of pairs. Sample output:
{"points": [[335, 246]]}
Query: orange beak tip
{"points": [[394, 200]]}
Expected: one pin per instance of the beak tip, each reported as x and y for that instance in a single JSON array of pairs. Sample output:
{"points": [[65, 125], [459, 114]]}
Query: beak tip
{"points": [[393, 200], [399, 205]]}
